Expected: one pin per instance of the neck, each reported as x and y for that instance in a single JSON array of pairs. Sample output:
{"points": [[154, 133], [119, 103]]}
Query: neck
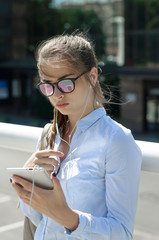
{"points": [[74, 118]]}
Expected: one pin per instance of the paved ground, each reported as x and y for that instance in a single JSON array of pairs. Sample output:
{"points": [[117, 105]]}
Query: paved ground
{"points": [[11, 220], [147, 218]]}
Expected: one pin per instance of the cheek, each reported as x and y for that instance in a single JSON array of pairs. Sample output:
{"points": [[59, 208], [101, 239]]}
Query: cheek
{"points": [[83, 93], [82, 87]]}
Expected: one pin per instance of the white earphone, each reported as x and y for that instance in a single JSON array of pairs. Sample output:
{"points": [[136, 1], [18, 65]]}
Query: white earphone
{"points": [[92, 79]]}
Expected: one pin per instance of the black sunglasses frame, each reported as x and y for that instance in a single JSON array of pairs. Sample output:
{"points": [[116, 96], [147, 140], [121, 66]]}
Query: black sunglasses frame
{"points": [[56, 84]]}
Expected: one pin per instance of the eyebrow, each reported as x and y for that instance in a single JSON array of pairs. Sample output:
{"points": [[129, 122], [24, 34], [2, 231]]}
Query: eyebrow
{"points": [[62, 77]]}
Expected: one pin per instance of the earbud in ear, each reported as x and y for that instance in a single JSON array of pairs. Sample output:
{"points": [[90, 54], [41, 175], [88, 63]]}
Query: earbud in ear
{"points": [[92, 79]]}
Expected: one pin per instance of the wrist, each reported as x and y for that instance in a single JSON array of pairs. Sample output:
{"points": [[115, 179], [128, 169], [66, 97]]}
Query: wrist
{"points": [[72, 220]]}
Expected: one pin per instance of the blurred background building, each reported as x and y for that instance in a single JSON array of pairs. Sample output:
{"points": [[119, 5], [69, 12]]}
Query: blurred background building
{"points": [[17, 68], [125, 35], [139, 77], [111, 14]]}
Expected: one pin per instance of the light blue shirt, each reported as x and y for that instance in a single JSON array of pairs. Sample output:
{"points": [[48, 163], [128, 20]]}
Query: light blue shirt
{"points": [[100, 179]]}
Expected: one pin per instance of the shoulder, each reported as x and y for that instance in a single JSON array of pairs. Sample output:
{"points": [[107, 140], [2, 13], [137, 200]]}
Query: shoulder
{"points": [[121, 146], [114, 130], [117, 136]]}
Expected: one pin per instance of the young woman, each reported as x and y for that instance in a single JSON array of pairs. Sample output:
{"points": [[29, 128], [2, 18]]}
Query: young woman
{"points": [[93, 161]]}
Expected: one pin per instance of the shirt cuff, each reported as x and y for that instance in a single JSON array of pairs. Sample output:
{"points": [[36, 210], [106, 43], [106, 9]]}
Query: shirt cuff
{"points": [[84, 220]]}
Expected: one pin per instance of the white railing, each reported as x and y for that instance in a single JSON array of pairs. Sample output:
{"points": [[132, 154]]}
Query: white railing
{"points": [[24, 139]]}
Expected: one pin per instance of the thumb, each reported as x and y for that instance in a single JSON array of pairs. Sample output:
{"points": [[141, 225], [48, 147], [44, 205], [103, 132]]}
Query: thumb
{"points": [[58, 192], [55, 180]]}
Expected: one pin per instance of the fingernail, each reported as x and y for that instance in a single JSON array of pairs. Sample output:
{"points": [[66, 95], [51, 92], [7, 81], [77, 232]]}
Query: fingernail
{"points": [[54, 174], [10, 180]]}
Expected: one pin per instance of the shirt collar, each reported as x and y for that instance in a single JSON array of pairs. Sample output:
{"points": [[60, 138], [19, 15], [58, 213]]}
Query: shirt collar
{"points": [[91, 118]]}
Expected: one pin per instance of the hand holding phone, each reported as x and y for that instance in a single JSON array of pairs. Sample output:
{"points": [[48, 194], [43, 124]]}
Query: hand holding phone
{"points": [[38, 175]]}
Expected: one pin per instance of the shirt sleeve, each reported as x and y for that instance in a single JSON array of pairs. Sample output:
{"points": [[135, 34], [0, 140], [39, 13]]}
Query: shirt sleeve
{"points": [[123, 166]]}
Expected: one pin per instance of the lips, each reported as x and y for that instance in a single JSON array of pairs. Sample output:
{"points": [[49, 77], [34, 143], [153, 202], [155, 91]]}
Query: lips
{"points": [[62, 104]]}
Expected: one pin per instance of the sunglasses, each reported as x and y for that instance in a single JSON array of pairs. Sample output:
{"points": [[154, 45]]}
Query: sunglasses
{"points": [[64, 85]]}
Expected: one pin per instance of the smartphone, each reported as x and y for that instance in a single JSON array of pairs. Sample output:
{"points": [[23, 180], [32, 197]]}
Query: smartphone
{"points": [[39, 175]]}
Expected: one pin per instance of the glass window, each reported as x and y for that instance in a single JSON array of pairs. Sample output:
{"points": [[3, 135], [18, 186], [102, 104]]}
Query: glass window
{"points": [[4, 91]]}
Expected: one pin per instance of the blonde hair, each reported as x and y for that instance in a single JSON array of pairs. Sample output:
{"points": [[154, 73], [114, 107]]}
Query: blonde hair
{"points": [[76, 50]]}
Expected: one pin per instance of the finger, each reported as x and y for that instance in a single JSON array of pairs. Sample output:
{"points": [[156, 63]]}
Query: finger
{"points": [[48, 167], [23, 182], [27, 185], [22, 193], [48, 153], [46, 160]]}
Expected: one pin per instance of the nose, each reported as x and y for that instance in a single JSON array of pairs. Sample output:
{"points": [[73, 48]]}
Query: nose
{"points": [[57, 93]]}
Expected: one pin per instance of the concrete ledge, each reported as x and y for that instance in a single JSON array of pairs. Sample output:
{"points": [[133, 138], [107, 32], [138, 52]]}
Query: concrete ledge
{"points": [[18, 137]]}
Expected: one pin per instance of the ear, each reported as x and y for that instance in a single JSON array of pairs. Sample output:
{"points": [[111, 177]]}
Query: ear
{"points": [[94, 75]]}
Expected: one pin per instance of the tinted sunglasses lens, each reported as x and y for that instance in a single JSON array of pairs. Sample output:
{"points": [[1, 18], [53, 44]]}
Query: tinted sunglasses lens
{"points": [[46, 89], [66, 86]]}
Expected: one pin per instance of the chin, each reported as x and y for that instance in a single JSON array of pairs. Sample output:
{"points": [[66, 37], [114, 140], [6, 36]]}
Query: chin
{"points": [[64, 111]]}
